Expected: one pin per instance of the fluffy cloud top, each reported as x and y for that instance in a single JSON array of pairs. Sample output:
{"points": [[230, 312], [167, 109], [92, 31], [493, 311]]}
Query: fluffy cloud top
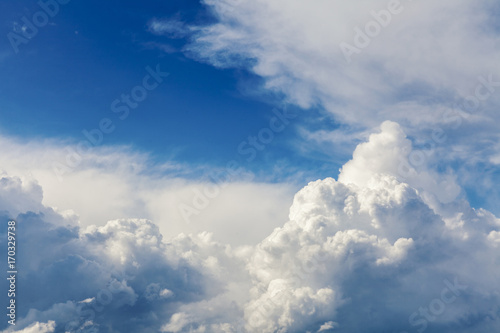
{"points": [[367, 253]]}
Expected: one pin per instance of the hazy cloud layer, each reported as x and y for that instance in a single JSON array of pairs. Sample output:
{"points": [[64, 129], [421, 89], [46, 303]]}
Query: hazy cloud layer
{"points": [[117, 182]]}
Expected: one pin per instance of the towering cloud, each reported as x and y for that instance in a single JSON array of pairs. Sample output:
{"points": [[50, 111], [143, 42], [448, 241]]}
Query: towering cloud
{"points": [[367, 253]]}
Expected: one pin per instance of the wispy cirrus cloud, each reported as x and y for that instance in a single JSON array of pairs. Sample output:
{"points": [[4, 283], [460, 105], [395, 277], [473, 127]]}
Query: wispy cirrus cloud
{"points": [[172, 28]]}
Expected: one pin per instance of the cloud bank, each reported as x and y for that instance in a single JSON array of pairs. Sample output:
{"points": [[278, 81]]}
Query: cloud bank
{"points": [[118, 182], [374, 251]]}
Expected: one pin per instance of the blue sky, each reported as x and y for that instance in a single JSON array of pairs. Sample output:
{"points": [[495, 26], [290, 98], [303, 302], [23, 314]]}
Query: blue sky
{"points": [[73, 69], [252, 166]]}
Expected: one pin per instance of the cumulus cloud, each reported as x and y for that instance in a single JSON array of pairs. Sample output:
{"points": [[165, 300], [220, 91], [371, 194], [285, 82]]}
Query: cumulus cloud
{"points": [[369, 252], [93, 278], [390, 152], [80, 278], [327, 326]]}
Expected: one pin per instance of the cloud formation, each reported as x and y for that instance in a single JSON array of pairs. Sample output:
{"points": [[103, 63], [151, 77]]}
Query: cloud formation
{"points": [[369, 253], [430, 66], [422, 50], [366, 253], [119, 182]]}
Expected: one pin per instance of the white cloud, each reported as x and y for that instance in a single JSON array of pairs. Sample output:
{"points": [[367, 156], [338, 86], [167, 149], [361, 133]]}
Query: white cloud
{"points": [[431, 68], [111, 183], [327, 326], [295, 47], [176, 323], [364, 253], [390, 152], [357, 239], [173, 28], [37, 327]]}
